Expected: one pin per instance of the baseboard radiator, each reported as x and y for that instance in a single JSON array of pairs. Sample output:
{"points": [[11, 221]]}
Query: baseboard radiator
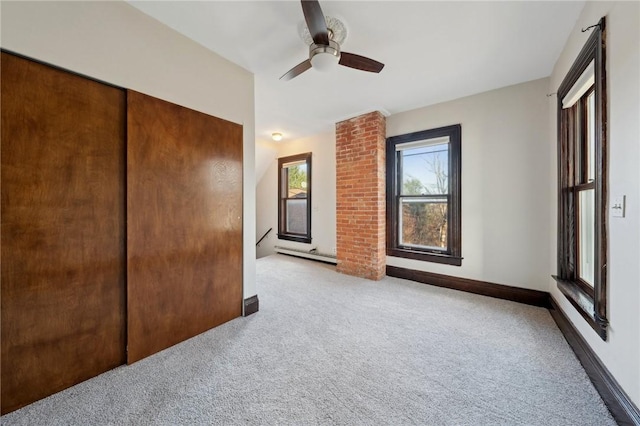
{"points": [[312, 254]]}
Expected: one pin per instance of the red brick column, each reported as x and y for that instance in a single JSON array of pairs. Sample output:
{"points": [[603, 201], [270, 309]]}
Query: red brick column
{"points": [[360, 196]]}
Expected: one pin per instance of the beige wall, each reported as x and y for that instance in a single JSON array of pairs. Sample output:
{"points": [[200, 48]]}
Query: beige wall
{"points": [[116, 43], [505, 183], [621, 353], [323, 194]]}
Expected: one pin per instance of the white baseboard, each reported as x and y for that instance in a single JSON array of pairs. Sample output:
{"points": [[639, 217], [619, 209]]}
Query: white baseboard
{"points": [[323, 257]]}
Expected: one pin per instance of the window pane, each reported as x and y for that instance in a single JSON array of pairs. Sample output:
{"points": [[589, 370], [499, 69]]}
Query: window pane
{"points": [[591, 132], [586, 225], [297, 181], [578, 145], [425, 169], [423, 223], [296, 216]]}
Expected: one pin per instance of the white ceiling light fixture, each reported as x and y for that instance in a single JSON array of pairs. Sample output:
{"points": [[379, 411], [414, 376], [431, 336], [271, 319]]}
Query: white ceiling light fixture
{"points": [[276, 136], [324, 58]]}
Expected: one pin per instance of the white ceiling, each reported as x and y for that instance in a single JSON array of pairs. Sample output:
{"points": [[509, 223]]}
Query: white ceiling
{"points": [[433, 52]]}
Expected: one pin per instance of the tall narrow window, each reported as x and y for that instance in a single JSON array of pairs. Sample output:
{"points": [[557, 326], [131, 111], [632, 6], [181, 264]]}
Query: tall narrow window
{"points": [[294, 198], [582, 183], [423, 195]]}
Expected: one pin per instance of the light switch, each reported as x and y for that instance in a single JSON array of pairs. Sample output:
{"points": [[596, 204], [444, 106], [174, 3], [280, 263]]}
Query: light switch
{"points": [[617, 206]]}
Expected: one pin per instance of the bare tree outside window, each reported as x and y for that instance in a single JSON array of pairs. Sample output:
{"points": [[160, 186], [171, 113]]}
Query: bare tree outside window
{"points": [[424, 221], [423, 202]]}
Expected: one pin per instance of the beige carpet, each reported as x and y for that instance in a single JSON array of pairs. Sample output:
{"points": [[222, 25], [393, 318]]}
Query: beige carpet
{"points": [[327, 348]]}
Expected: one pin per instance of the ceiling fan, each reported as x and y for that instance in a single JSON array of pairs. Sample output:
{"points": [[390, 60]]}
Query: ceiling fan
{"points": [[324, 50]]}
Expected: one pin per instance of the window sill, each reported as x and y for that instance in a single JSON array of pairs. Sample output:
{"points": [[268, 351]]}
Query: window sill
{"points": [[583, 304], [446, 259], [296, 238]]}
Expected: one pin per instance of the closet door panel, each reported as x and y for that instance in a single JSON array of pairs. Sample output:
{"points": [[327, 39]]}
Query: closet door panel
{"points": [[184, 219], [63, 230]]}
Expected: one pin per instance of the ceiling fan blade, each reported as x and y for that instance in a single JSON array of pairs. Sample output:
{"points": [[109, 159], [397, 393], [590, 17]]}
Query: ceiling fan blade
{"points": [[358, 62], [315, 21], [297, 70]]}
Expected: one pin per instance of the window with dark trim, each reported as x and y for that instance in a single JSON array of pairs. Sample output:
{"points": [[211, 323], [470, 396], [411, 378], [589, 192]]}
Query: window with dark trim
{"points": [[294, 198], [423, 195], [582, 183]]}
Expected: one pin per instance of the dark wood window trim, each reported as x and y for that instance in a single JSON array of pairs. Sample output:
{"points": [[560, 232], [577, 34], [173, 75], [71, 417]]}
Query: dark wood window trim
{"points": [[590, 302], [453, 254], [282, 199]]}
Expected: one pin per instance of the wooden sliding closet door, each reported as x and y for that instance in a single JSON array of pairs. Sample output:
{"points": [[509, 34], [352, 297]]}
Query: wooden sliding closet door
{"points": [[63, 230], [184, 218]]}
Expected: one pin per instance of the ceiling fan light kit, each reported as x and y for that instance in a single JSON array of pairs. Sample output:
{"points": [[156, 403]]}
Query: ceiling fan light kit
{"points": [[324, 35], [324, 58]]}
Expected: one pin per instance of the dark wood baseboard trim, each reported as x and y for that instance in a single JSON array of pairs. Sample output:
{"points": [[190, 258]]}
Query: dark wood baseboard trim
{"points": [[251, 305], [621, 407], [500, 291]]}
